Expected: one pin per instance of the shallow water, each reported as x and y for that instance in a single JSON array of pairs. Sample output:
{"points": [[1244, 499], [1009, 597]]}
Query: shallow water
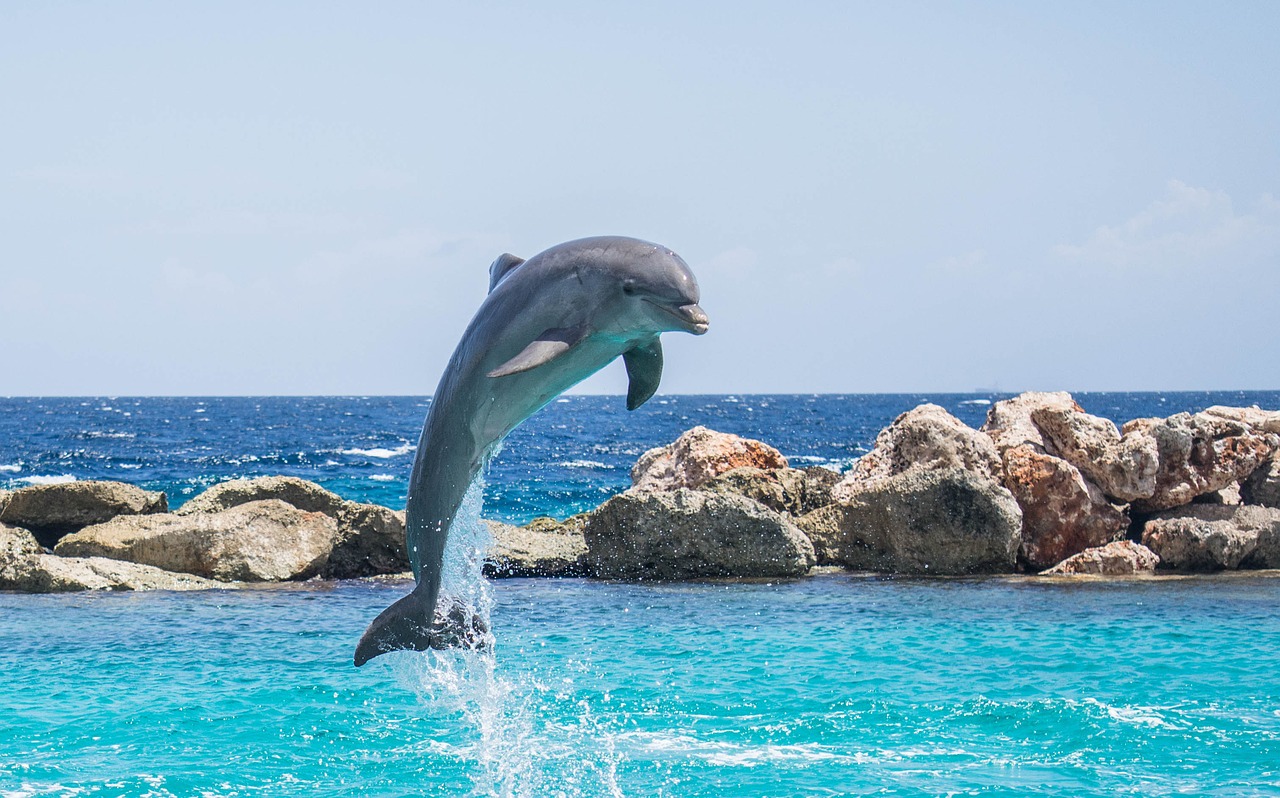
{"points": [[833, 685]]}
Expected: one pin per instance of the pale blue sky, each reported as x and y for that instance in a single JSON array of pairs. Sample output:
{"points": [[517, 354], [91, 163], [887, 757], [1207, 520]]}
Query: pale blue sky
{"points": [[304, 198]]}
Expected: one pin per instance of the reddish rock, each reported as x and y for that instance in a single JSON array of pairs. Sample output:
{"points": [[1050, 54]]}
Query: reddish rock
{"points": [[1062, 512], [1009, 421], [1123, 469], [698, 456], [1121, 558]]}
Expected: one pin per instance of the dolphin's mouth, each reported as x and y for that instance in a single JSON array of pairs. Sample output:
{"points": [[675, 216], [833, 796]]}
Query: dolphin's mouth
{"points": [[692, 318]]}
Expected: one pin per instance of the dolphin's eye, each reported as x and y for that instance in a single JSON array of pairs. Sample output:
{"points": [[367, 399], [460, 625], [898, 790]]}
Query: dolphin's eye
{"points": [[629, 288]]}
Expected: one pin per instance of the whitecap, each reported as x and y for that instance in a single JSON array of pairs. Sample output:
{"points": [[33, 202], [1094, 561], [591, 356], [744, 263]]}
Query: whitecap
{"points": [[130, 466], [383, 477], [12, 469], [976, 402], [581, 464], [380, 452], [562, 401], [42, 479]]}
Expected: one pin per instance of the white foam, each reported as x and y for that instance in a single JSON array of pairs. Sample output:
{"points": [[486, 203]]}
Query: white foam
{"points": [[380, 452], [976, 402], [47, 479], [12, 468], [383, 477], [582, 464]]}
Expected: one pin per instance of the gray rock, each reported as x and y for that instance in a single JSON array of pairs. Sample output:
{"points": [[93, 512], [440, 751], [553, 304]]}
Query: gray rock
{"points": [[698, 456], [300, 493], [261, 541], [785, 490], [539, 549], [944, 521], [688, 534], [4, 499], [1263, 485], [1121, 558], [1208, 537], [1009, 422], [26, 568], [51, 511], [928, 438]]}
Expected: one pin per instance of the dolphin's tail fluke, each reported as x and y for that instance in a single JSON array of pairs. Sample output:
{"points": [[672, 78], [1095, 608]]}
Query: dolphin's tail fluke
{"points": [[405, 626]]}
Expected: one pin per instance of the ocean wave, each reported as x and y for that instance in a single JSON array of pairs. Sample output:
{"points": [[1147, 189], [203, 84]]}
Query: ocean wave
{"points": [[45, 479], [976, 402], [380, 452], [11, 469], [581, 464], [383, 477], [93, 433]]}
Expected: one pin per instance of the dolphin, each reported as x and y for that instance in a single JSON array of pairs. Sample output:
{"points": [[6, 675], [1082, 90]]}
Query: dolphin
{"points": [[548, 323]]}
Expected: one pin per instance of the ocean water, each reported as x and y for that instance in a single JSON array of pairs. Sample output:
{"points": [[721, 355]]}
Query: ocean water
{"points": [[831, 685]]}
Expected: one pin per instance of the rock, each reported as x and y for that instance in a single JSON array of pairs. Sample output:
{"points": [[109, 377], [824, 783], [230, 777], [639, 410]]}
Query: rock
{"points": [[26, 568], [922, 521], [1263, 485], [928, 438], [535, 550], [300, 493], [1062, 512], [4, 499], [698, 456], [51, 511], [1228, 495], [1208, 537], [688, 534], [261, 541], [1124, 469], [1121, 558], [1260, 420], [1009, 422], [785, 490], [570, 526], [369, 542]]}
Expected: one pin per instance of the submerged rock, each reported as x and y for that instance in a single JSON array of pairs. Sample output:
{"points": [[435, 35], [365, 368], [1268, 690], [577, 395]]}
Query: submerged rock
{"points": [[1208, 537], [51, 511], [540, 549], [261, 541], [1120, 558], [945, 521], [688, 534], [698, 456]]}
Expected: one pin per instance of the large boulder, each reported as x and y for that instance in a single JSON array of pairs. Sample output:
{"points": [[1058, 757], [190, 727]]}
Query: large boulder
{"points": [[792, 491], [1009, 422], [261, 541], [689, 534], [928, 438], [922, 521], [370, 537], [538, 549], [1124, 469], [1260, 420], [1263, 485], [1120, 558], [26, 568], [51, 511], [1209, 537], [698, 456], [300, 493]]}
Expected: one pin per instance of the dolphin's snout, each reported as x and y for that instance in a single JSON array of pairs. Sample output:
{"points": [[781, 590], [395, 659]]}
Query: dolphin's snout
{"points": [[695, 317]]}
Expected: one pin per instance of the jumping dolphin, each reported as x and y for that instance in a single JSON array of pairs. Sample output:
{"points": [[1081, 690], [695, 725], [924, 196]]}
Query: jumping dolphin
{"points": [[547, 324]]}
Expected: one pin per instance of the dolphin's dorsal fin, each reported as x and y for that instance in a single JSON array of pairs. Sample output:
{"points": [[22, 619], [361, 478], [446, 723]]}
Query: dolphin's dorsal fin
{"points": [[644, 370], [548, 346], [501, 268]]}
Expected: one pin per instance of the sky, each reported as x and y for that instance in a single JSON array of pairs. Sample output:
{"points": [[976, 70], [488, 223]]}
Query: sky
{"points": [[304, 198]]}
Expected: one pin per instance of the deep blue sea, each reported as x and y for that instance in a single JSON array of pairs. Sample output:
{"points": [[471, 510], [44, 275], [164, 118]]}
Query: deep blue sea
{"points": [[830, 685]]}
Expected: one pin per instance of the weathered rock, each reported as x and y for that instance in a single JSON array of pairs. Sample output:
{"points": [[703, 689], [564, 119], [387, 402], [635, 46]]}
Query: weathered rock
{"points": [[943, 521], [1208, 537], [261, 541], [1199, 454], [1062, 512], [1228, 495], [298, 492], [688, 534], [17, 546], [1124, 469], [4, 499], [369, 541], [1263, 486], [51, 511], [1260, 420], [926, 438], [698, 456], [570, 526], [1120, 558], [785, 490], [535, 550], [1009, 422]]}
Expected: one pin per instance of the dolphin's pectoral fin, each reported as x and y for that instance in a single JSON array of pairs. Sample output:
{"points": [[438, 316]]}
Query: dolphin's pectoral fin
{"points": [[501, 268], [548, 346], [644, 370]]}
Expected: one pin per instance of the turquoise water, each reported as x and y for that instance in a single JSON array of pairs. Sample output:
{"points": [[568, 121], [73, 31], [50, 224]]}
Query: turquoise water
{"points": [[834, 685]]}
